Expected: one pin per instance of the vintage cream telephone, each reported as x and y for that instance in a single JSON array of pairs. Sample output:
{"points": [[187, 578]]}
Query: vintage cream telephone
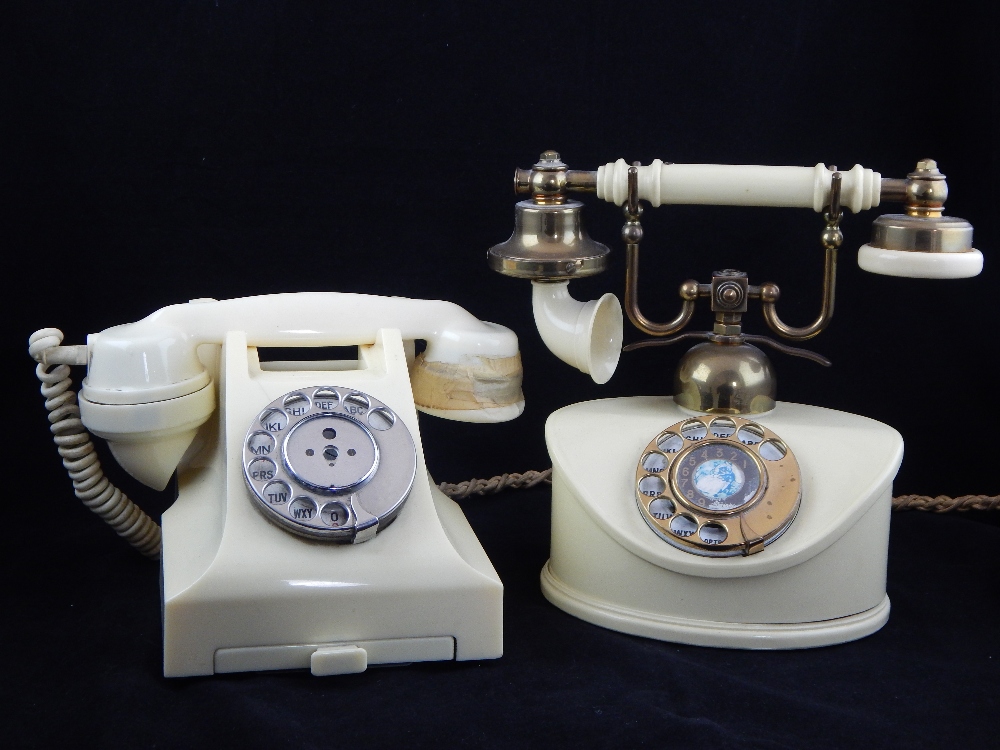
{"points": [[278, 552], [720, 516]]}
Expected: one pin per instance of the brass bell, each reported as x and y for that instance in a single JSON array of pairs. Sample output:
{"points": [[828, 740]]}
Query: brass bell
{"points": [[725, 379]]}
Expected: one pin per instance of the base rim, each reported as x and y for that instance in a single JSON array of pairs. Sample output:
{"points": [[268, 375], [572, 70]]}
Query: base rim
{"points": [[751, 636]]}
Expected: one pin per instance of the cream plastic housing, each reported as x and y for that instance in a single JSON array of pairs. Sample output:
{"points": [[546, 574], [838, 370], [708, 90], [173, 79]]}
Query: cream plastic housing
{"points": [[240, 593], [586, 335], [740, 185], [147, 392], [822, 582]]}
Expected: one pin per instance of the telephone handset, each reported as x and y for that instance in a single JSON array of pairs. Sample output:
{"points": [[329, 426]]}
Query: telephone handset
{"points": [[278, 552], [715, 515]]}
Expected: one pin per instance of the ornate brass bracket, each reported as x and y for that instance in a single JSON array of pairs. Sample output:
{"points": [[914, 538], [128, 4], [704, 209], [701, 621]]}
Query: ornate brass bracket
{"points": [[729, 309]]}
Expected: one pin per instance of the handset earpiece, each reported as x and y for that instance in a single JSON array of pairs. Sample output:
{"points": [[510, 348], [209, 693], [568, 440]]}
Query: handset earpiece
{"points": [[147, 394], [921, 243]]}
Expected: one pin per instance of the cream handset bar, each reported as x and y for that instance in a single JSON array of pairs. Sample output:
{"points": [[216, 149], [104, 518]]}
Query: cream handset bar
{"points": [[661, 183]]}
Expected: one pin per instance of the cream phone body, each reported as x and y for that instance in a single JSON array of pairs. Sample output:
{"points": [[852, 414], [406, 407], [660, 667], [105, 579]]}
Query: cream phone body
{"points": [[721, 516], [306, 532]]}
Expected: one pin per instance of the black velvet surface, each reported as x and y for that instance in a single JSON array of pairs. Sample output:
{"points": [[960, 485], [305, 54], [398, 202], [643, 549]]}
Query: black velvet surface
{"points": [[164, 151]]}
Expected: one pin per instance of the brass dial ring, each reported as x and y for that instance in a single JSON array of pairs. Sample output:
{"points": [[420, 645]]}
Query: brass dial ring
{"points": [[718, 486]]}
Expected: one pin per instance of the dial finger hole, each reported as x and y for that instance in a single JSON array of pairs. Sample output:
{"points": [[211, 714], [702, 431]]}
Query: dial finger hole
{"points": [[326, 399], [713, 533], [261, 469], [693, 430], [277, 493], [274, 420], [662, 508], [670, 443], [683, 525], [381, 418], [296, 404], [654, 462], [260, 444], [772, 450], [335, 515], [652, 485], [750, 434], [356, 403], [302, 509], [723, 427]]}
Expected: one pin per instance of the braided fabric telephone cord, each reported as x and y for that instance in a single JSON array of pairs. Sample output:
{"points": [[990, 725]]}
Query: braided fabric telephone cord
{"points": [[939, 504], [79, 456]]}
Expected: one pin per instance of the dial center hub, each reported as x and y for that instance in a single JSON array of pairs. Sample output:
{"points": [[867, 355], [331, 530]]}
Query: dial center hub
{"points": [[330, 453]]}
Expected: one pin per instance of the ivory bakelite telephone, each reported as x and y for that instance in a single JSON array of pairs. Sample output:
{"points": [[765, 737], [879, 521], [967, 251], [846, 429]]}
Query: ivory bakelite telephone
{"points": [[719, 516], [306, 532]]}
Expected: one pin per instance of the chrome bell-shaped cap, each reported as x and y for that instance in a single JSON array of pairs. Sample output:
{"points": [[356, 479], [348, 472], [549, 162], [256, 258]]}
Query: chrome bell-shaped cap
{"points": [[922, 234], [549, 242]]}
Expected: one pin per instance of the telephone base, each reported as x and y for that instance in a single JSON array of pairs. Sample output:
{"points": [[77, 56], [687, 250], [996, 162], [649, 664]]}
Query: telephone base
{"points": [[241, 593], [757, 636], [430, 602], [822, 582]]}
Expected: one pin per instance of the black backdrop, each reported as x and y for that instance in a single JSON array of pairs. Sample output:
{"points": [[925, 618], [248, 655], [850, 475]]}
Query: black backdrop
{"points": [[159, 152]]}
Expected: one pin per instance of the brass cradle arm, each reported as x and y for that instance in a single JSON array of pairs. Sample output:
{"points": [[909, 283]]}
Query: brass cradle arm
{"points": [[632, 235], [769, 294], [688, 292], [831, 238]]}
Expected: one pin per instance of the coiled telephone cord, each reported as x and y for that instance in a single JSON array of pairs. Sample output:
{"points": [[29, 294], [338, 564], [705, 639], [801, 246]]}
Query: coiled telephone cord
{"points": [[80, 458], [939, 504]]}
